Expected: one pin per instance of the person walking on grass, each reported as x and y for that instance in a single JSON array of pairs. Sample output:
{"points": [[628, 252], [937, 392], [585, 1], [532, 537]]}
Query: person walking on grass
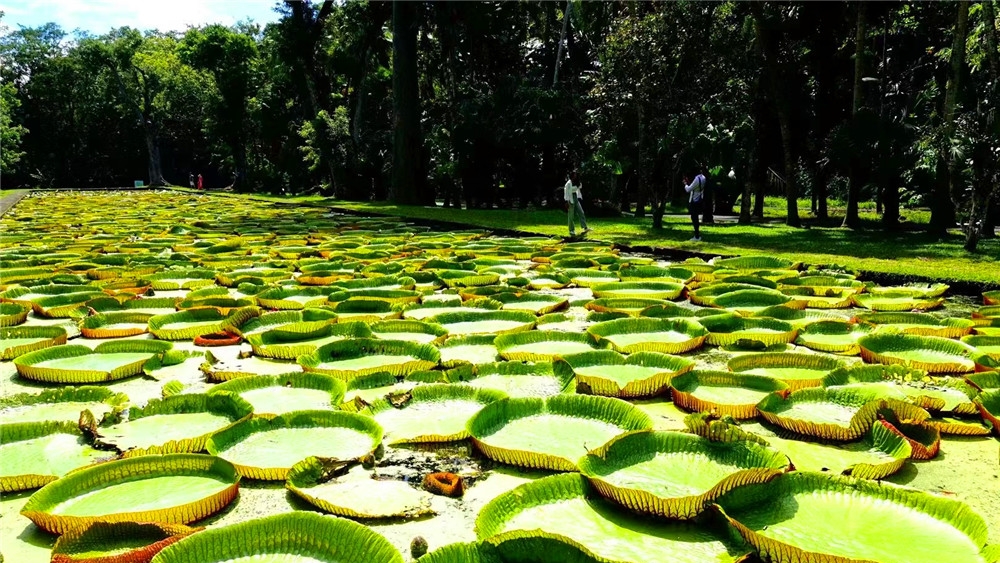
{"points": [[572, 192], [696, 188], [201, 184]]}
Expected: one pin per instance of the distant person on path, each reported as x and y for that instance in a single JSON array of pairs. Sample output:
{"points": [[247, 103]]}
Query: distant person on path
{"points": [[201, 184], [572, 194], [191, 180], [695, 203]]}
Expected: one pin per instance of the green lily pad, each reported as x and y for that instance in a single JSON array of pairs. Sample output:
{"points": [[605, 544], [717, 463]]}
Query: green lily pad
{"points": [[789, 519], [265, 449], [294, 537], [431, 413], [551, 433], [35, 453], [171, 488], [562, 509]]}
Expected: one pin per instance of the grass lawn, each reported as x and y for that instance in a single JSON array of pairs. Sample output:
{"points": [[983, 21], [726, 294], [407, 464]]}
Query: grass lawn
{"points": [[909, 253]]}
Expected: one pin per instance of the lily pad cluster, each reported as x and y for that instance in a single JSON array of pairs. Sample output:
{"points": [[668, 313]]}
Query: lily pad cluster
{"points": [[314, 348]]}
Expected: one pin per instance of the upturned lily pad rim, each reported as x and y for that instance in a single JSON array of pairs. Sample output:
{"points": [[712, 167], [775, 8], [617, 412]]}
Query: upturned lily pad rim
{"points": [[496, 415], [434, 393], [424, 356], [318, 381], [948, 510], [866, 403], [682, 391], [221, 441], [80, 545], [322, 537], [38, 507], [877, 348], [669, 367], [604, 332], [757, 463]]}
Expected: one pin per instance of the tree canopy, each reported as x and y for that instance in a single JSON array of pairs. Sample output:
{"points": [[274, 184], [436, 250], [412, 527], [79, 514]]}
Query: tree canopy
{"points": [[490, 104]]}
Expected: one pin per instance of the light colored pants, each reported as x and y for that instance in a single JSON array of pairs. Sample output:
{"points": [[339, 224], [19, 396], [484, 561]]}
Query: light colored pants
{"points": [[576, 209]]}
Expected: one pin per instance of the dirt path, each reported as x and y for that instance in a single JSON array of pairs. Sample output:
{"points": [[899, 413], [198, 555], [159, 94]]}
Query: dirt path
{"points": [[10, 200]]}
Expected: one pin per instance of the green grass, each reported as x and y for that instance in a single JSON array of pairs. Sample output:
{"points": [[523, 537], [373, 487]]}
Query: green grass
{"points": [[5, 193], [907, 253]]}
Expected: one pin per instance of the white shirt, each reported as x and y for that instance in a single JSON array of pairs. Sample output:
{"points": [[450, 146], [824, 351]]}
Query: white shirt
{"points": [[696, 189], [569, 190]]}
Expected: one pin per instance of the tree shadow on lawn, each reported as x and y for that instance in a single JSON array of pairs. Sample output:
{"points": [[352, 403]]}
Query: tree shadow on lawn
{"points": [[860, 244]]}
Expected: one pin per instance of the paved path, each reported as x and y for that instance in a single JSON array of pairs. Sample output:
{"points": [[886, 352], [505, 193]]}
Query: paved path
{"points": [[11, 199]]}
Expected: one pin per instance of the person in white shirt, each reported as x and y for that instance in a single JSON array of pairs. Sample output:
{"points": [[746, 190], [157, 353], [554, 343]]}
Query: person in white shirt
{"points": [[572, 192], [695, 202]]}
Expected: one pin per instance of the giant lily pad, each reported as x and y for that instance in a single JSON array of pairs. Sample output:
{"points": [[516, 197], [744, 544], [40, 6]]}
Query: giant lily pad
{"points": [[669, 336], [430, 413], [723, 393], [74, 363], [266, 449], [724, 330], [788, 519], [677, 475], [409, 331], [12, 314], [60, 405], [15, 341], [347, 359], [989, 406], [550, 433], [117, 542], [474, 349], [485, 322], [896, 301], [836, 337], [171, 488], [797, 370], [357, 494], [921, 324], [176, 424], [608, 373], [35, 453], [516, 379], [289, 341], [877, 455], [628, 305], [294, 537], [640, 290], [542, 345], [748, 302], [989, 345], [833, 414], [115, 325], [280, 394], [186, 325], [548, 515], [930, 353]]}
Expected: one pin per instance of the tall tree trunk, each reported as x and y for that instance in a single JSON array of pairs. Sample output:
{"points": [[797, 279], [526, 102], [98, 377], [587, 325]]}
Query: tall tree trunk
{"points": [[957, 64], [890, 201], [155, 163], [409, 177], [745, 202], [769, 50], [851, 218]]}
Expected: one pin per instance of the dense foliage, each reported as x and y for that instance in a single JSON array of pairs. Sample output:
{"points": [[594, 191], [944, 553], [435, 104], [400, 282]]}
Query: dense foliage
{"points": [[491, 103]]}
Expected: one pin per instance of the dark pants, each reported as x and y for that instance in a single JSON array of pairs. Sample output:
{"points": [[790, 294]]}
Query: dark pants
{"points": [[695, 207]]}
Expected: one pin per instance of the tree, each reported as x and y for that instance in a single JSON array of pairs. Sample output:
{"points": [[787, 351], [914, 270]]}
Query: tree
{"points": [[409, 176], [858, 117], [769, 42], [229, 55], [10, 135], [137, 83]]}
